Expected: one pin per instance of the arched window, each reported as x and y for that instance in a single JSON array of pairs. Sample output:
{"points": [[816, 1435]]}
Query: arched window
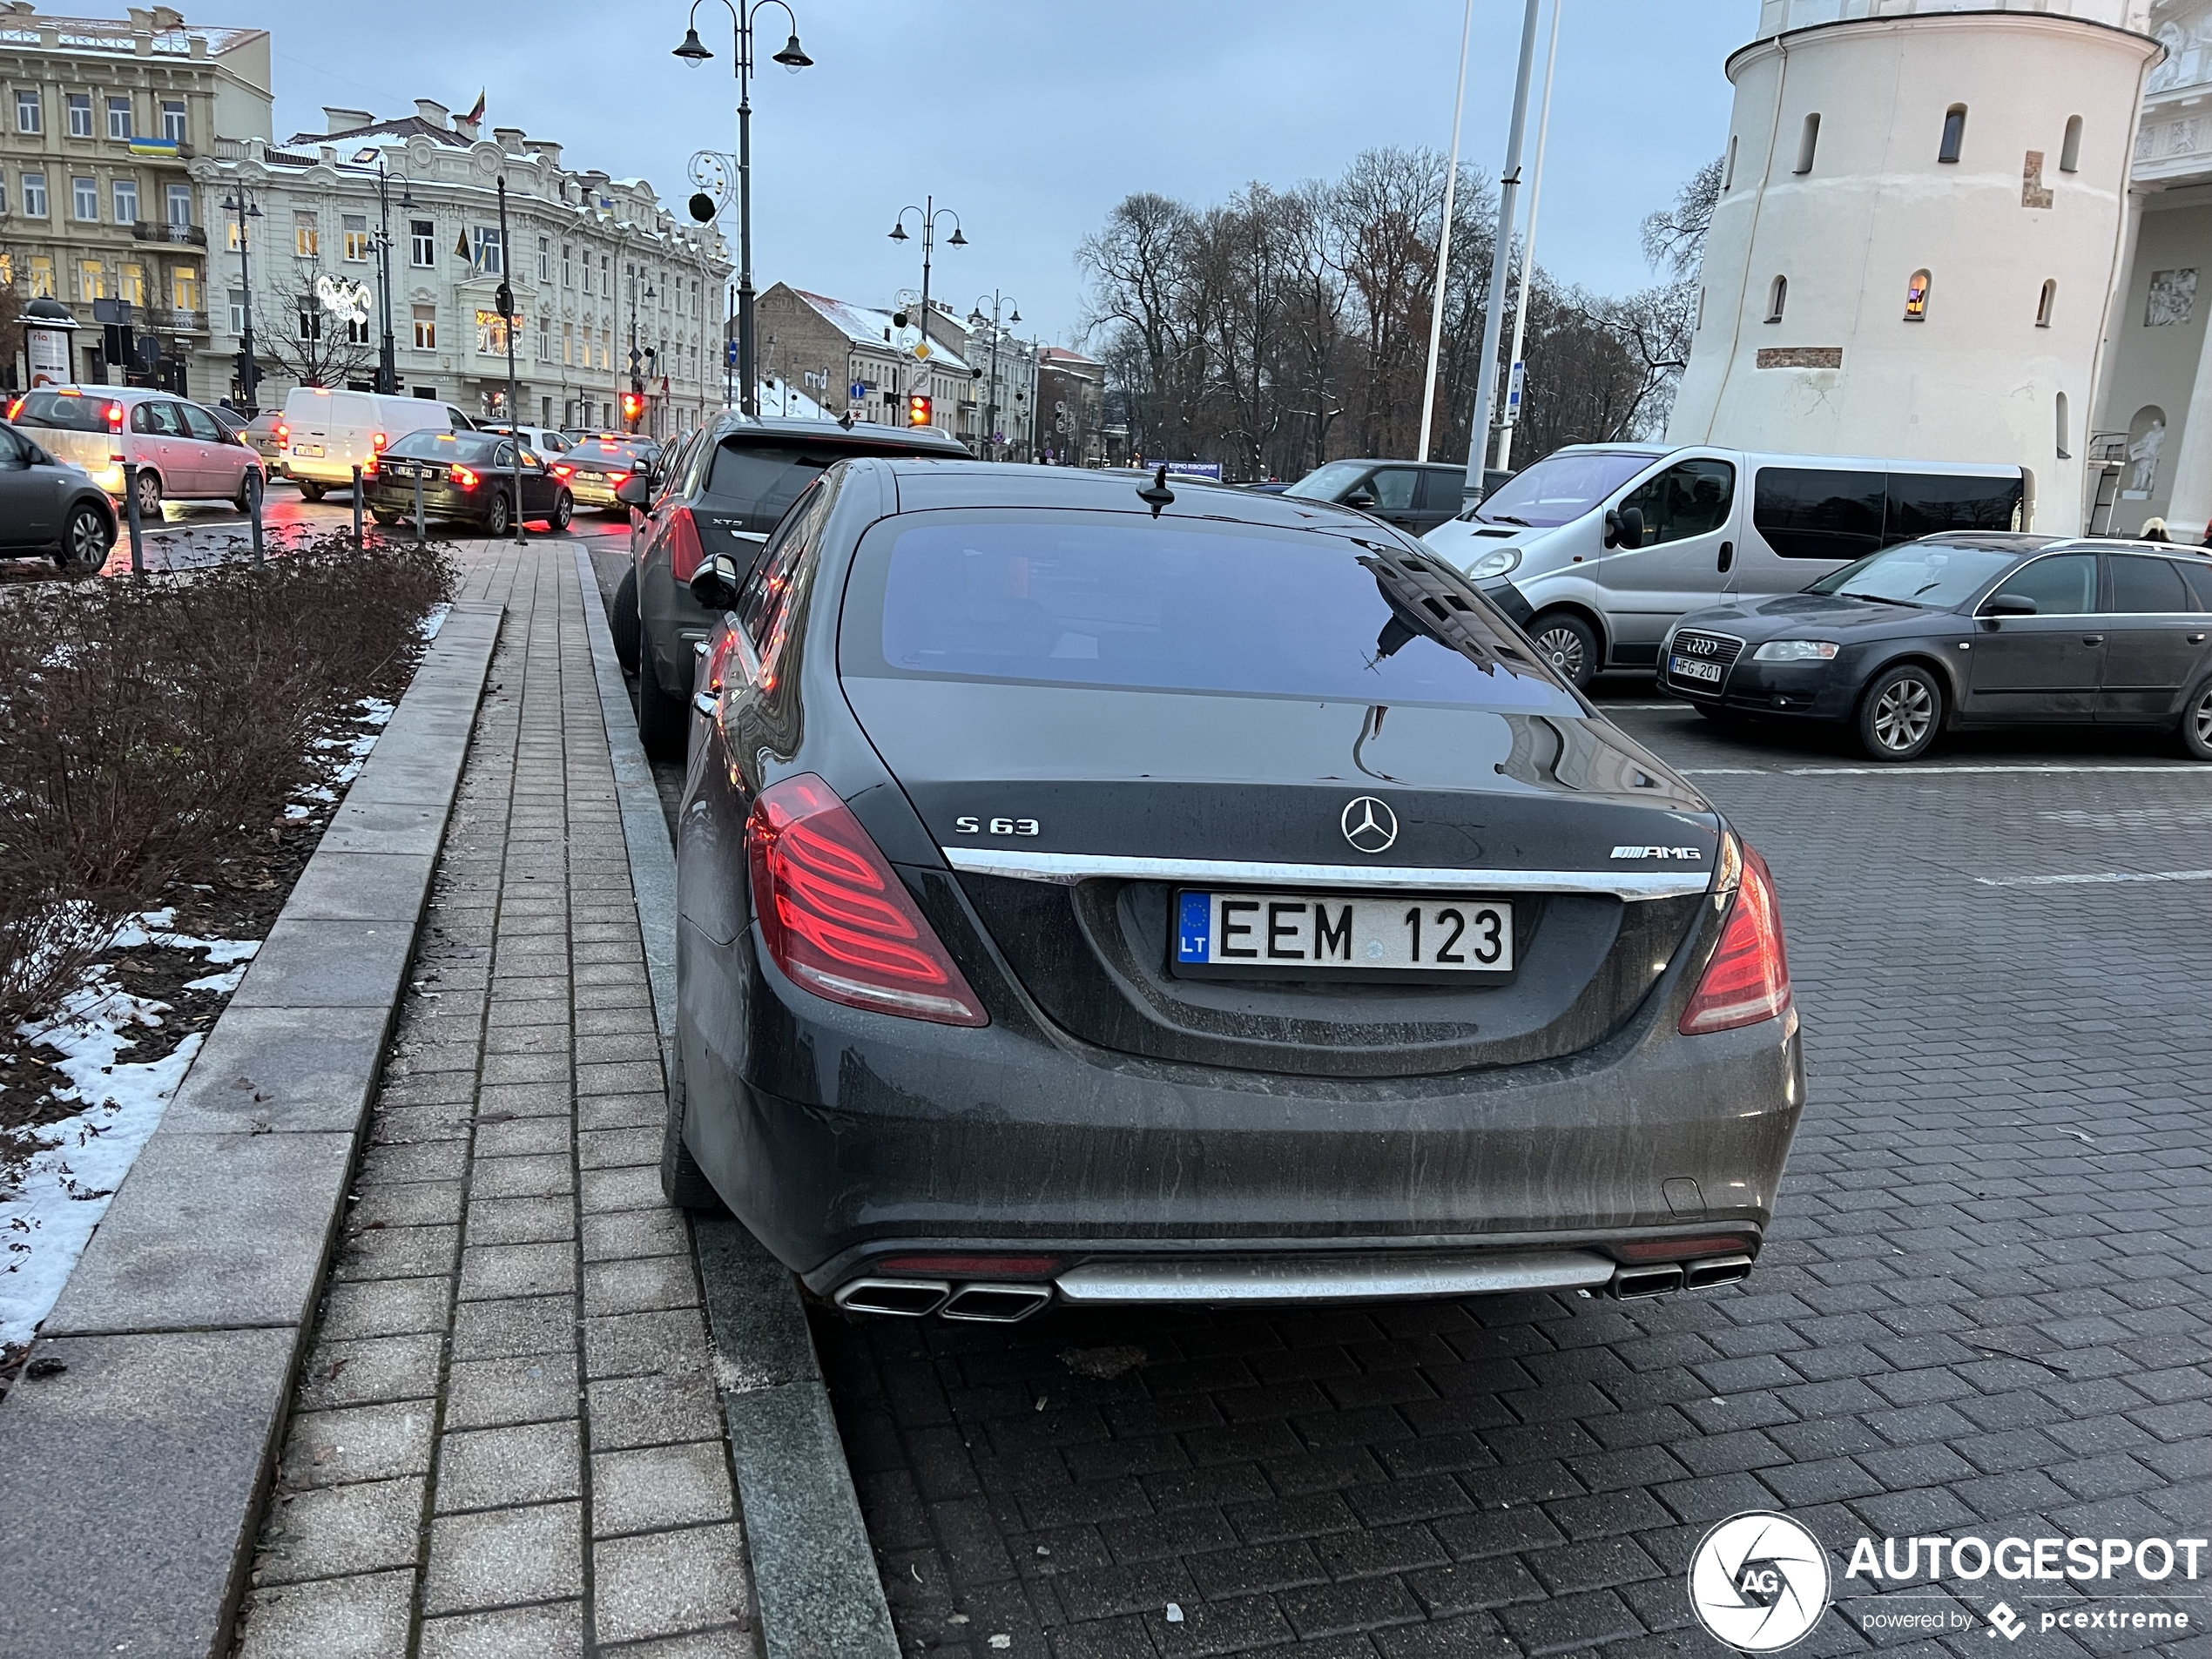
{"points": [[2047, 303], [1728, 172], [1954, 133], [2070, 151], [2064, 453], [1808, 141], [1777, 297], [1916, 298]]}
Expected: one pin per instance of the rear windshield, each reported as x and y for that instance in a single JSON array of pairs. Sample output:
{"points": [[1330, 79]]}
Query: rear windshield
{"points": [[66, 411], [1106, 599], [763, 482], [427, 443]]}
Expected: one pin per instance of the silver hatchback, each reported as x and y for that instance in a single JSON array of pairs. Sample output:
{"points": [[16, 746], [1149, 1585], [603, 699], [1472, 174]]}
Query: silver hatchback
{"points": [[181, 451]]}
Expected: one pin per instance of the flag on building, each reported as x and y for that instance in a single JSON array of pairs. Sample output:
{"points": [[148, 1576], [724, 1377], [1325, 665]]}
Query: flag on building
{"points": [[476, 114]]}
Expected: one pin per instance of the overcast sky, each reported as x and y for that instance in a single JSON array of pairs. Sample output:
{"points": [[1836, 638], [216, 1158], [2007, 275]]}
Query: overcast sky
{"points": [[1032, 118]]}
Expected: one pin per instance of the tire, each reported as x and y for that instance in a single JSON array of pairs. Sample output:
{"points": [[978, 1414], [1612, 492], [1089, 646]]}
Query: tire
{"points": [[85, 542], [682, 1182], [1569, 644], [310, 491], [564, 510], [495, 518], [1901, 713], [623, 621], [149, 488], [2196, 722], [663, 722], [249, 486]]}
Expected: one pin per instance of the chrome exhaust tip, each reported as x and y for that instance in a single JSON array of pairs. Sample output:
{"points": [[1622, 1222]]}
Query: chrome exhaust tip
{"points": [[908, 1299], [996, 1304], [1648, 1279], [1716, 1269]]}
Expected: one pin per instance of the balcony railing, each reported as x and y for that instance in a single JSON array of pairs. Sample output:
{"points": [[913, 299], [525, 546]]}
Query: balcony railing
{"points": [[147, 230]]}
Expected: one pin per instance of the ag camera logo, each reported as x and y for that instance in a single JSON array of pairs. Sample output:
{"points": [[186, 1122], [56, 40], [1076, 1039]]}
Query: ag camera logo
{"points": [[1759, 1581]]}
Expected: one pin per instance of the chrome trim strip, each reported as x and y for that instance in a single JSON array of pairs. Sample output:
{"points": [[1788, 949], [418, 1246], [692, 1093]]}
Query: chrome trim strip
{"points": [[1099, 1283], [1068, 868]]}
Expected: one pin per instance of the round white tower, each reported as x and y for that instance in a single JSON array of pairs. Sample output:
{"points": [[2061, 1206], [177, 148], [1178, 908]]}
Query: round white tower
{"points": [[1918, 233]]}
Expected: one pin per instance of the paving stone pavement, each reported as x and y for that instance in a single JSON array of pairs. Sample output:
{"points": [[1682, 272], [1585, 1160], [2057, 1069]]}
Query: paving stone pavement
{"points": [[1983, 1309], [507, 1439]]}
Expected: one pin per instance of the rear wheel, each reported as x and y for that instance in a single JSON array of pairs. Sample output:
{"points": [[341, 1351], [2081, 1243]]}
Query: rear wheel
{"points": [[682, 1182], [149, 490], [564, 510], [2196, 722], [310, 491], [85, 542], [1569, 644], [495, 518], [1900, 714], [662, 724], [623, 623]]}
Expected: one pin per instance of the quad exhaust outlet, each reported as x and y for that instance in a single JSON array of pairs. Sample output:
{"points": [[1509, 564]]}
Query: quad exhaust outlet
{"points": [[913, 1298], [1658, 1278]]}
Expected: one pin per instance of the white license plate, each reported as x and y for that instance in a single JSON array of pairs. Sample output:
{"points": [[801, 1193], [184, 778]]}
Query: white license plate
{"points": [[312, 449], [398, 469], [1688, 668], [1291, 931]]}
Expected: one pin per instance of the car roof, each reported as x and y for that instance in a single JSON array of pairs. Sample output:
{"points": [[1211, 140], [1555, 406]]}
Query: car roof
{"points": [[794, 430], [1395, 461], [925, 484]]}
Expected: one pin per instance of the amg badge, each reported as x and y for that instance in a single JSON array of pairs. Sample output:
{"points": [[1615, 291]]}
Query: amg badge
{"points": [[1657, 852]]}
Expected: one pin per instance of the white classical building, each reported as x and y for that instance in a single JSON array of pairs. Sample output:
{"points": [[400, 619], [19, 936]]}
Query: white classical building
{"points": [[596, 264]]}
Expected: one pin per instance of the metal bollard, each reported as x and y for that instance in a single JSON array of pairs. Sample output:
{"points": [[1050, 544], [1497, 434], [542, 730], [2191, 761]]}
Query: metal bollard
{"points": [[418, 505], [130, 508], [357, 509], [254, 490]]}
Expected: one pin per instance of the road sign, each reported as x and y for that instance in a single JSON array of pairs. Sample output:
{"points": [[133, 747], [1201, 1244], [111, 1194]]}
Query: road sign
{"points": [[731, 352], [922, 351], [857, 390]]}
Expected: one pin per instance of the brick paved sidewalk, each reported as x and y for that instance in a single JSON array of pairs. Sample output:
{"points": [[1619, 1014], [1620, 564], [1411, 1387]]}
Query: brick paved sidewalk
{"points": [[508, 1439]]}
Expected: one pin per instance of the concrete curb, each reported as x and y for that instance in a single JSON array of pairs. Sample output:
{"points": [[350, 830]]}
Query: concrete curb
{"points": [[137, 1474], [814, 1579]]}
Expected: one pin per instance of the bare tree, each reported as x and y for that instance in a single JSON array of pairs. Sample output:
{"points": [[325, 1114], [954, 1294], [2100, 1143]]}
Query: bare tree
{"points": [[310, 346], [1674, 238]]}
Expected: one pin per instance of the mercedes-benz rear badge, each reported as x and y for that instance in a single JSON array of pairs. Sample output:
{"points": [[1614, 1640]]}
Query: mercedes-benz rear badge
{"points": [[1369, 824]]}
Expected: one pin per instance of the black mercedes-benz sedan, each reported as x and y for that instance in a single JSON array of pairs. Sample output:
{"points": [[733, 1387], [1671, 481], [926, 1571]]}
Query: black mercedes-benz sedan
{"points": [[1985, 629], [1096, 890]]}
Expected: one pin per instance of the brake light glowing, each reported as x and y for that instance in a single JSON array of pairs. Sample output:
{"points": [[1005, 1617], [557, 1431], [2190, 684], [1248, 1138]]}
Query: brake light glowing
{"points": [[463, 478], [614, 480], [562, 469], [1748, 979], [686, 553], [378, 443], [115, 417], [837, 919], [368, 468]]}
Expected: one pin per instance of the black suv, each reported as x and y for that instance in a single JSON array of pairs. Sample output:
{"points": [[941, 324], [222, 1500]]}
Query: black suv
{"points": [[721, 492], [1415, 495]]}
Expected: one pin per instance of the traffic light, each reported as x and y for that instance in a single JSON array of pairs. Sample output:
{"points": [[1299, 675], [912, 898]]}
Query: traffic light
{"points": [[632, 407], [918, 410]]}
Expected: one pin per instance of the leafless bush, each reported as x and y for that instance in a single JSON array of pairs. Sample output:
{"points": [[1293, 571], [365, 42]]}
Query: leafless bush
{"points": [[144, 720]]}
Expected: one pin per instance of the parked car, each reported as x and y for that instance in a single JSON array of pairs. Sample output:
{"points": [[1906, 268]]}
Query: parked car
{"points": [[735, 482], [329, 433], [180, 450], [1032, 949], [1967, 630], [51, 507], [466, 477], [1414, 496], [598, 467], [268, 435], [1609, 545]]}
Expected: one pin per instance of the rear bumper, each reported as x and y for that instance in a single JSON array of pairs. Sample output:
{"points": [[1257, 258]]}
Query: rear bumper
{"points": [[846, 1140]]}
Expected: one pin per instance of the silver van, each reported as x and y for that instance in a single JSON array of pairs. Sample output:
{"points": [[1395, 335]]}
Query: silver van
{"points": [[1608, 545]]}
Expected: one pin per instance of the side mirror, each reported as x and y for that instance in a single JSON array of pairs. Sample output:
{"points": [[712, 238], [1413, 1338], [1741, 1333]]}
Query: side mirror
{"points": [[2008, 605], [1362, 498], [715, 585], [1631, 527], [636, 491]]}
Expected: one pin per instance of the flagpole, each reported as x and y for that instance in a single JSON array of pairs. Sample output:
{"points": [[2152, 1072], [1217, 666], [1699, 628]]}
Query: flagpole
{"points": [[1444, 240]]}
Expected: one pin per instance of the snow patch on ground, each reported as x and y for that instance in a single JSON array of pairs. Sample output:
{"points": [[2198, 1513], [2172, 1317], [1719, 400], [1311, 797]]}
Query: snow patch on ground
{"points": [[433, 619]]}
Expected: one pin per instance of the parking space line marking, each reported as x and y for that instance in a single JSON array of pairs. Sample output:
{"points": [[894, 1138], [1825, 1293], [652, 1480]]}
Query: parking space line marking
{"points": [[1723, 771], [2086, 880]]}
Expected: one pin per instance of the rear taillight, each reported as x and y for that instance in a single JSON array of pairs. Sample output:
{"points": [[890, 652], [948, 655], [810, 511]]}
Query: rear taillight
{"points": [[685, 555], [378, 443], [115, 417], [836, 917], [464, 479], [283, 433], [1748, 979], [614, 480], [15, 408], [562, 470], [368, 468]]}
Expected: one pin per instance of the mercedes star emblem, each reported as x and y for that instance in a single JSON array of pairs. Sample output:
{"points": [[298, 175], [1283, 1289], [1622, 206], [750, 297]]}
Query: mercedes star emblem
{"points": [[1369, 825]]}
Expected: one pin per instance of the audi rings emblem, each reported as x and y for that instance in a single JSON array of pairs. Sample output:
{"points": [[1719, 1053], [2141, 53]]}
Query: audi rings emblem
{"points": [[1369, 824]]}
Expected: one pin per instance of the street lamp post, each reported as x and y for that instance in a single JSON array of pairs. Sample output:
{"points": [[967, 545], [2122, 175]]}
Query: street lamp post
{"points": [[636, 358], [930, 213], [241, 202], [693, 51], [508, 320], [387, 370], [991, 407]]}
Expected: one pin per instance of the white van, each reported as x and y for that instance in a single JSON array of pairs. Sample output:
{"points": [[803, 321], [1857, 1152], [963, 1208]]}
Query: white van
{"points": [[1609, 544], [327, 434]]}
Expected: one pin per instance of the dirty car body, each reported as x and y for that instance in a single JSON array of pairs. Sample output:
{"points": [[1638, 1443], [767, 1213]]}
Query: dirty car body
{"points": [[1095, 899]]}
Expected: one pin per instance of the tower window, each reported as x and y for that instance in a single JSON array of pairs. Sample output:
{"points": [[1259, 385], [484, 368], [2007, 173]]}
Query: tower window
{"points": [[2070, 151], [1728, 172], [1916, 298], [1777, 297], [1954, 133], [2064, 453], [1808, 141], [2048, 303]]}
